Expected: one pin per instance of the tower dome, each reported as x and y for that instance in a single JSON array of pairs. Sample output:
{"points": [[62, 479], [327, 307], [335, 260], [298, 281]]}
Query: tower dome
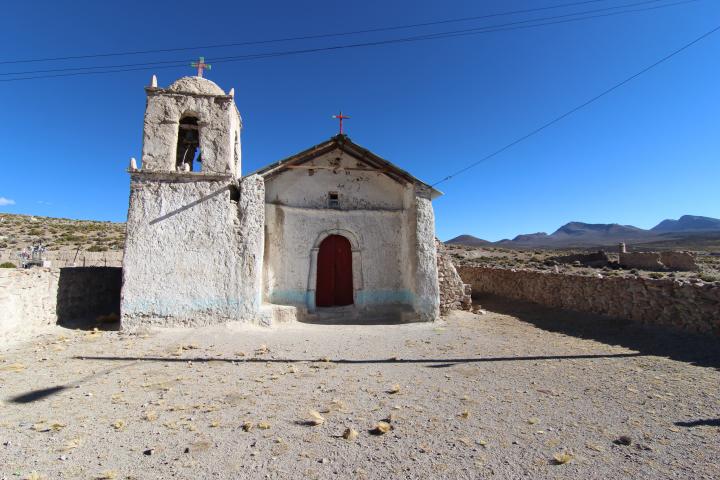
{"points": [[196, 85]]}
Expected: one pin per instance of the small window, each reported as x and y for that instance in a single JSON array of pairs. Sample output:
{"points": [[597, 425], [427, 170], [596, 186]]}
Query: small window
{"points": [[333, 200]]}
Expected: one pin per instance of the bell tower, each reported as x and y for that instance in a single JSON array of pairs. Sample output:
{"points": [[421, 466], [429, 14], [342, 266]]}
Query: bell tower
{"points": [[193, 249], [191, 127]]}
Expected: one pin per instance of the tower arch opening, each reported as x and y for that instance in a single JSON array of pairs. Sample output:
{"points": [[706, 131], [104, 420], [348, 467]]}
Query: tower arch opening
{"points": [[188, 157]]}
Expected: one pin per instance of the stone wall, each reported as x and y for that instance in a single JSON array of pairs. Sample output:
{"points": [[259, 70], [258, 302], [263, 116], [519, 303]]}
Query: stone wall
{"points": [[679, 261], [675, 304], [454, 293], [599, 259], [676, 261]]}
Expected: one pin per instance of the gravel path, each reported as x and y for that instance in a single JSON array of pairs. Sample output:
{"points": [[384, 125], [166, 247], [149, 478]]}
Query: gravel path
{"points": [[511, 394]]}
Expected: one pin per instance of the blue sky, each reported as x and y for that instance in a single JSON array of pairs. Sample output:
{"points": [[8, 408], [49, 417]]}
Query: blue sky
{"points": [[646, 152]]}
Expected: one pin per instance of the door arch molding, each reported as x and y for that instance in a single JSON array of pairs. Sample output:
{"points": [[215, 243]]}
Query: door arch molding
{"points": [[356, 261]]}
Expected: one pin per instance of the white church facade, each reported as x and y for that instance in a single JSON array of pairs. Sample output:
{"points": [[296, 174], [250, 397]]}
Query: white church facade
{"points": [[333, 233]]}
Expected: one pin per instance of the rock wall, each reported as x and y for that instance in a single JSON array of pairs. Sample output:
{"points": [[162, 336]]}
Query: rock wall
{"points": [[679, 261], [676, 261], [692, 307], [454, 293], [599, 259]]}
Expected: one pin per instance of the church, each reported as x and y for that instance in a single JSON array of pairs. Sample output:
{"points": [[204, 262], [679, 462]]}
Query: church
{"points": [[334, 233]]}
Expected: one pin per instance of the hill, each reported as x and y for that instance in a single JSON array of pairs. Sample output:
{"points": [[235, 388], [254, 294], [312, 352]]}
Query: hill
{"points": [[688, 223], [687, 230], [468, 240]]}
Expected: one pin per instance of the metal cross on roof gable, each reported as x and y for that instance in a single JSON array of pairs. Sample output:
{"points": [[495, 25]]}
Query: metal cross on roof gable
{"points": [[201, 65], [340, 117]]}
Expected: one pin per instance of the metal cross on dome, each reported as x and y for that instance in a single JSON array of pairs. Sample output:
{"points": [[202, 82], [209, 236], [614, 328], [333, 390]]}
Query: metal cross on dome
{"points": [[340, 117], [201, 65]]}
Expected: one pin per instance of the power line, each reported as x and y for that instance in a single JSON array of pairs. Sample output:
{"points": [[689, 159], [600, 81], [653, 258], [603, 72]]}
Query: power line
{"points": [[579, 107], [218, 59], [305, 37], [433, 36]]}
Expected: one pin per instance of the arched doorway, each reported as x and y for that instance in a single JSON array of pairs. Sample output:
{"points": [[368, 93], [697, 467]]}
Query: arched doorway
{"points": [[334, 285]]}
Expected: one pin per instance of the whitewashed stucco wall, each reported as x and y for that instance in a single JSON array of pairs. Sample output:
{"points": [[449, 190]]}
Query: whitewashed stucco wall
{"points": [[192, 254], [378, 216], [218, 119]]}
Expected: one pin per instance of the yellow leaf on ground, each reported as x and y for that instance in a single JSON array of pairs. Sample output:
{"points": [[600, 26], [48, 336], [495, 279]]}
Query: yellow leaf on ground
{"points": [[14, 367], [71, 444], [56, 427], [247, 426], [562, 458], [381, 428], [350, 434], [316, 418], [151, 415]]}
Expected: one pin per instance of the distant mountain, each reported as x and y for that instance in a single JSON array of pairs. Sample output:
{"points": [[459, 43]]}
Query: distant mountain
{"points": [[579, 229], [530, 237], [468, 240], [688, 223], [585, 235]]}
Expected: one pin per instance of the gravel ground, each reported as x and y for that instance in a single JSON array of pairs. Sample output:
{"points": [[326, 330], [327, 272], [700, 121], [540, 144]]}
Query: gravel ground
{"points": [[521, 392]]}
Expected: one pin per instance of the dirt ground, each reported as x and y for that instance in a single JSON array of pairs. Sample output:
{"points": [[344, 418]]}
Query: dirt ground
{"points": [[521, 392]]}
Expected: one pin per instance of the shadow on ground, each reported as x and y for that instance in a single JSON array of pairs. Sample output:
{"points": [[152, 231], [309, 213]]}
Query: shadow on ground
{"points": [[705, 422], [697, 349], [41, 394]]}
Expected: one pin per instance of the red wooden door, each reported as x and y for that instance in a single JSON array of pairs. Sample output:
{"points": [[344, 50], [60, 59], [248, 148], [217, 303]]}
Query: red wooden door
{"points": [[334, 273]]}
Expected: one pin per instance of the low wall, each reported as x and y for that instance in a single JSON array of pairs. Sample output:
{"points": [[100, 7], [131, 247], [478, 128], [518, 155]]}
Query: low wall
{"points": [[676, 261], [649, 301], [27, 301], [33, 298]]}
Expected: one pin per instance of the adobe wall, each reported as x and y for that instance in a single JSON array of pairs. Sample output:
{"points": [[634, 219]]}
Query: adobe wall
{"points": [[193, 252], [38, 297], [391, 229], [27, 301], [219, 125], [655, 302]]}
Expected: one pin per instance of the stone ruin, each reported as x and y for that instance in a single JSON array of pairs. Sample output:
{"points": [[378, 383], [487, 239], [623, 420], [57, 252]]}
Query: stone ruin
{"points": [[658, 261], [599, 259]]}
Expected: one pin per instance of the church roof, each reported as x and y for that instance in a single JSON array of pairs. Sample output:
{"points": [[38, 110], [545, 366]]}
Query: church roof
{"points": [[346, 145]]}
